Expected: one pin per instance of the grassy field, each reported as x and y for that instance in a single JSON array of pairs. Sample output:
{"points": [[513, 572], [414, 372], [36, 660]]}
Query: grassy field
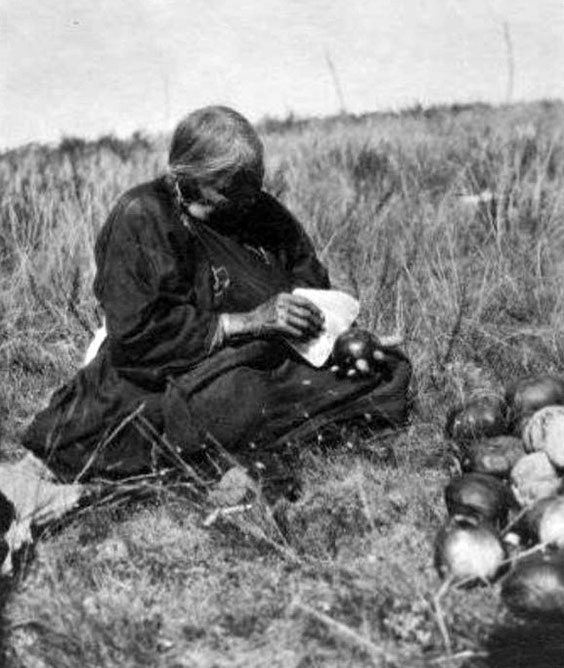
{"points": [[344, 576]]}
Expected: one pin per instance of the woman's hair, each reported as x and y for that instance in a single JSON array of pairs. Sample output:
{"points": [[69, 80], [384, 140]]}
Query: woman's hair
{"points": [[212, 147]]}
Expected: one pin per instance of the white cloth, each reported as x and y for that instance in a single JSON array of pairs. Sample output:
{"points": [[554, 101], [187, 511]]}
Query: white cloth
{"points": [[340, 311], [37, 499], [94, 345]]}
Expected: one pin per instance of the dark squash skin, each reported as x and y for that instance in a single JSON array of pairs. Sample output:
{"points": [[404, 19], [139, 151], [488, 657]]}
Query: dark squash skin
{"points": [[359, 352], [495, 456], [528, 395], [479, 495], [355, 346], [534, 588], [481, 417], [528, 526]]}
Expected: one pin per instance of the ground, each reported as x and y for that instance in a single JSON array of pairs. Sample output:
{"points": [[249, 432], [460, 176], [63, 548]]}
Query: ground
{"points": [[343, 576]]}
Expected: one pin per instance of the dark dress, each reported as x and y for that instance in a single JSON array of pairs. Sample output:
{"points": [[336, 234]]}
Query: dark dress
{"points": [[162, 284]]}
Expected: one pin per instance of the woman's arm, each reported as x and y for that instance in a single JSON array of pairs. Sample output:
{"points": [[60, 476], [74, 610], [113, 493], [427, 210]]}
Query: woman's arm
{"points": [[284, 313], [152, 331]]}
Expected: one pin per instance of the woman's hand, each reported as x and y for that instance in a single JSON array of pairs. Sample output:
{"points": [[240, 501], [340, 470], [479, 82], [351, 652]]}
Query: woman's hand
{"points": [[284, 313], [288, 314]]}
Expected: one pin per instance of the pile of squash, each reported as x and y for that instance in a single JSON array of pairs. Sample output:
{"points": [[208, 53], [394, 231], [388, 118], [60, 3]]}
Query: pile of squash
{"points": [[506, 509]]}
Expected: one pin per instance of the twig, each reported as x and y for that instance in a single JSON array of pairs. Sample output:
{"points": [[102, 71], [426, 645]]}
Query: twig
{"points": [[526, 553], [474, 578], [511, 560], [460, 656], [456, 326], [439, 614], [225, 512], [378, 654], [514, 521], [229, 458], [256, 532], [342, 227], [336, 83], [510, 60], [166, 447], [129, 418]]}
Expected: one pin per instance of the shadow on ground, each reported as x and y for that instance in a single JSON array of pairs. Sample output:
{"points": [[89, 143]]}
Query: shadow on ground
{"points": [[5, 589], [532, 645]]}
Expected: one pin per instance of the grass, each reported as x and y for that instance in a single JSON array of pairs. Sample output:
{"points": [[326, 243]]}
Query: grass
{"points": [[344, 576]]}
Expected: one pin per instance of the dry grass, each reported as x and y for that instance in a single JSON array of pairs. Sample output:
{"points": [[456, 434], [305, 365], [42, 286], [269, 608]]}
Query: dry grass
{"points": [[344, 576]]}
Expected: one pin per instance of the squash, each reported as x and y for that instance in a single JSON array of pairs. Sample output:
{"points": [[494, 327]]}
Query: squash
{"points": [[466, 548], [534, 588], [478, 418], [534, 477], [544, 431], [356, 349], [478, 495], [528, 526], [551, 523], [495, 456], [528, 395]]}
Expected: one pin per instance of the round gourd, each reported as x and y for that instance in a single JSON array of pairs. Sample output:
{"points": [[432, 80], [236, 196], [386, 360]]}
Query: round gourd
{"points": [[528, 395], [534, 477], [465, 548], [544, 431], [528, 525], [478, 418], [551, 523], [495, 456], [355, 349], [534, 588], [478, 495]]}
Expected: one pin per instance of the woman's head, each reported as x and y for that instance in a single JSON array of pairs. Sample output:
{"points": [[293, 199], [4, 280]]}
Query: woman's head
{"points": [[217, 157]]}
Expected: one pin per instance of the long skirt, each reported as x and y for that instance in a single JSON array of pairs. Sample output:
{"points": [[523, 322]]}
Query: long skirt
{"points": [[255, 396]]}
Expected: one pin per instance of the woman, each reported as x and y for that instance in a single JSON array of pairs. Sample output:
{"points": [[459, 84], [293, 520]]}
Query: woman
{"points": [[195, 273]]}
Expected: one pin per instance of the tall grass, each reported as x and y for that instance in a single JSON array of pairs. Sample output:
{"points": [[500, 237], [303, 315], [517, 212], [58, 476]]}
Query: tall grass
{"points": [[478, 292]]}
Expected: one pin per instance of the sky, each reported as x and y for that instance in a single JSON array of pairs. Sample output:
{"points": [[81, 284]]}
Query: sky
{"points": [[91, 67]]}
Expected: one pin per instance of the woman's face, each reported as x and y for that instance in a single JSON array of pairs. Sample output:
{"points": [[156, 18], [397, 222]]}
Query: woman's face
{"points": [[224, 202]]}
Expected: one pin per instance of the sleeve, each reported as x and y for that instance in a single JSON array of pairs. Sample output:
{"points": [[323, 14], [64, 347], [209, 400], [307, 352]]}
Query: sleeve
{"points": [[153, 330]]}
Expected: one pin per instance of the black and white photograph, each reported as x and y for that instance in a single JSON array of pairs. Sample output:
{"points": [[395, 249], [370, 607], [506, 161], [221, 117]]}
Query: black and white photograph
{"points": [[282, 334]]}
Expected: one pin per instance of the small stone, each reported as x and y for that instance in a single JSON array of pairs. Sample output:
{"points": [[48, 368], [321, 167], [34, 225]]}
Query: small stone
{"points": [[232, 488], [512, 539], [113, 549]]}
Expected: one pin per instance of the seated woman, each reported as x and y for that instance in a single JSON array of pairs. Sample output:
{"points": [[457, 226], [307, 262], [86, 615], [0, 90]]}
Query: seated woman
{"points": [[195, 272]]}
